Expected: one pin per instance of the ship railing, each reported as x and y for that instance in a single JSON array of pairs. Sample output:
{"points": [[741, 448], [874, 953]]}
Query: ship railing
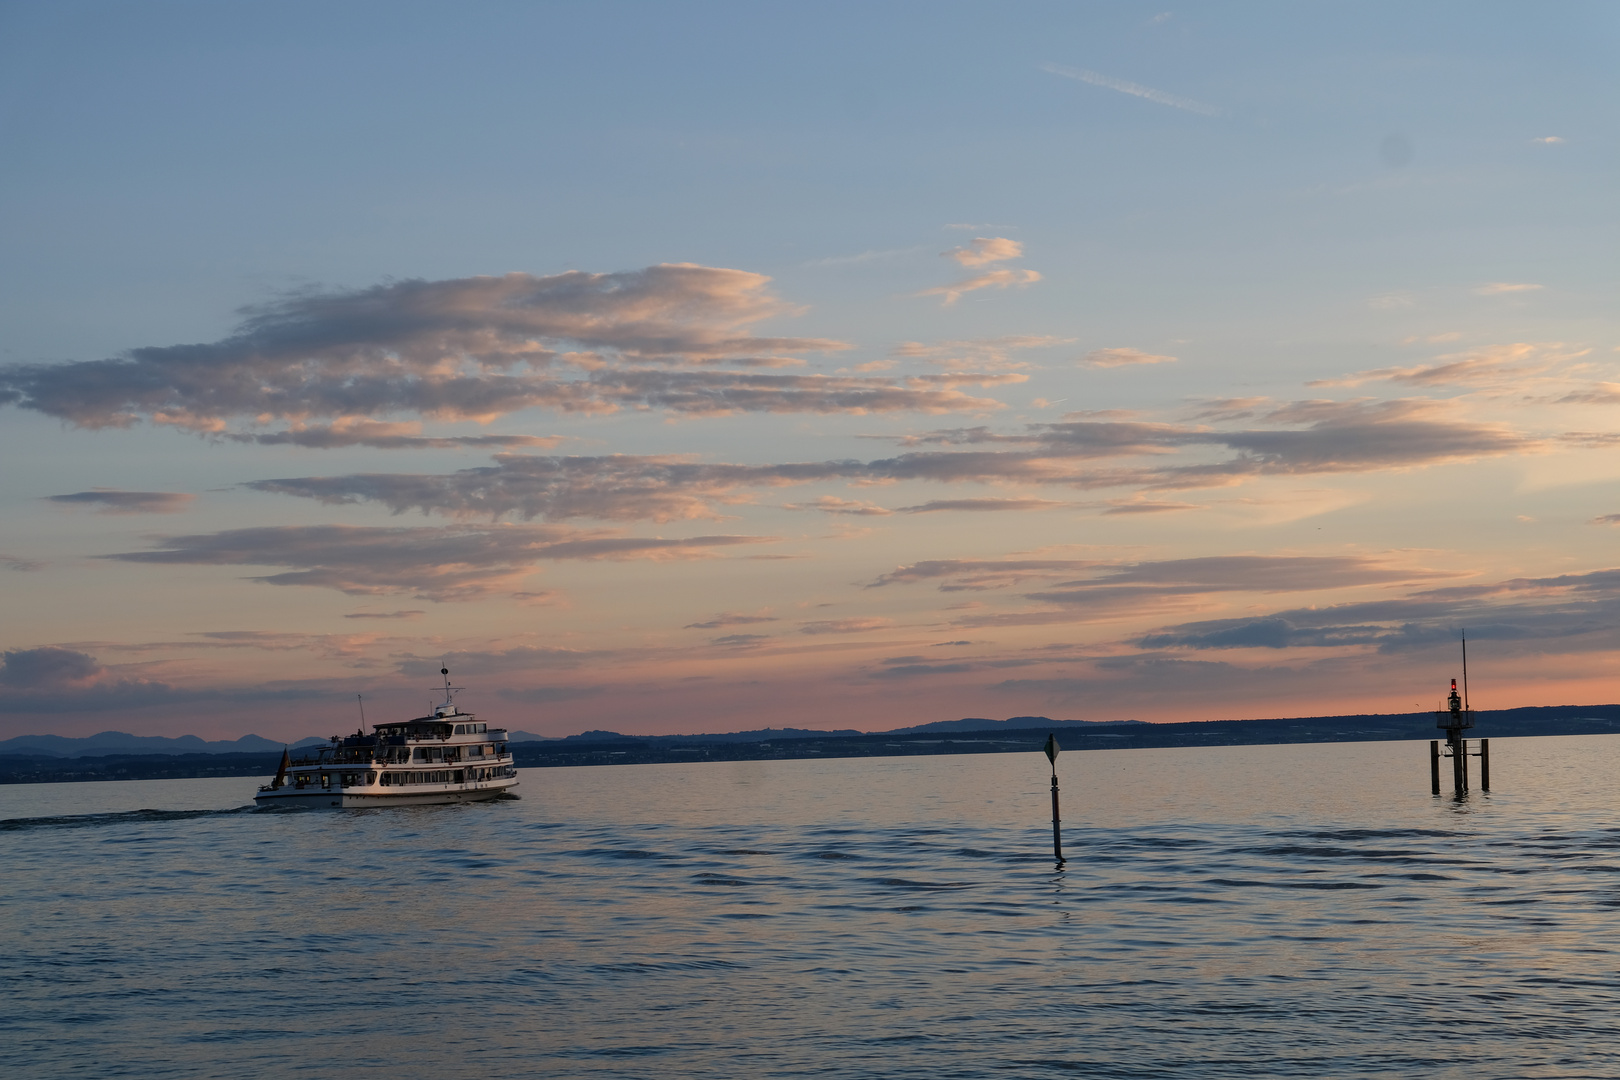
{"points": [[387, 755]]}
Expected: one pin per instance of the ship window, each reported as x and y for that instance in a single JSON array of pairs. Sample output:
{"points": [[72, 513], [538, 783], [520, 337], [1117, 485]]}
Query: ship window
{"points": [[461, 729]]}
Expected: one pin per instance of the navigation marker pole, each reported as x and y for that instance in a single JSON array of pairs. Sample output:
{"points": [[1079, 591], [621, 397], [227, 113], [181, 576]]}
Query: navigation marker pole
{"points": [[1455, 720], [1052, 749]]}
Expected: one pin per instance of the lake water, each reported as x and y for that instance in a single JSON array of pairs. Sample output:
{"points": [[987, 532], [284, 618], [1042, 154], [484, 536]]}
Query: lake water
{"points": [[1279, 911]]}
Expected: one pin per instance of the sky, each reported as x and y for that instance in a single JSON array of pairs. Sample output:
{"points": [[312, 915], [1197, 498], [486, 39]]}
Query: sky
{"points": [[711, 367]]}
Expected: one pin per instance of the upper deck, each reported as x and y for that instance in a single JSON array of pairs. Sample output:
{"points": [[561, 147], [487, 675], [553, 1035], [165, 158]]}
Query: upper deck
{"points": [[448, 727], [447, 724]]}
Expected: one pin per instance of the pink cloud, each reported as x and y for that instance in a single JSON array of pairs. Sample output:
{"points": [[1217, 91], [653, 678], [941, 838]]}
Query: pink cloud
{"points": [[1113, 358], [475, 349], [441, 564], [994, 279], [113, 501], [985, 250]]}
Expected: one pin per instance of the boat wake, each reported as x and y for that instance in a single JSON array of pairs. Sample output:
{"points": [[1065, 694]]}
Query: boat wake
{"points": [[91, 821]]}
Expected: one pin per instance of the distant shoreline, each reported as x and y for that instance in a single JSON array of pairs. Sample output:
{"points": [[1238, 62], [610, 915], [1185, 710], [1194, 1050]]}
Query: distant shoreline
{"points": [[663, 749]]}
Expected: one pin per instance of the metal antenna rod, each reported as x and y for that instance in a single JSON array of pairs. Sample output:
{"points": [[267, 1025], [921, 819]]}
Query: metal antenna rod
{"points": [[1465, 668], [362, 702]]}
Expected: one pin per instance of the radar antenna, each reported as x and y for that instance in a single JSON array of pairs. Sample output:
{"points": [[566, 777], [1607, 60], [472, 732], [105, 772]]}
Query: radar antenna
{"points": [[449, 690]]}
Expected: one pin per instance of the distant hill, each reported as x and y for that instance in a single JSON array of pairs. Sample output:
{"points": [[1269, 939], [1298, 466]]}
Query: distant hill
{"points": [[1020, 734], [971, 723], [761, 735], [119, 742], [123, 743], [1028, 734], [968, 735], [1011, 724]]}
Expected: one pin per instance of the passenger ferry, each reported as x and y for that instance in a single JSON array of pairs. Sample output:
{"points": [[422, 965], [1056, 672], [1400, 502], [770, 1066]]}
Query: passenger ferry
{"points": [[448, 757]]}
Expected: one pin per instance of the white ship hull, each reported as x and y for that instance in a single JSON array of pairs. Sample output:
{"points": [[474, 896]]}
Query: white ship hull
{"points": [[421, 795]]}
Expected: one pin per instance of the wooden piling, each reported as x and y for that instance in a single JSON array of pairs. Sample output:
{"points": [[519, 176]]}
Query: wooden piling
{"points": [[1434, 765], [1459, 765], [1485, 764]]}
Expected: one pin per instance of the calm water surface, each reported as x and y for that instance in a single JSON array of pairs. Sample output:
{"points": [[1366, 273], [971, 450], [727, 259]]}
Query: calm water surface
{"points": [[1240, 911]]}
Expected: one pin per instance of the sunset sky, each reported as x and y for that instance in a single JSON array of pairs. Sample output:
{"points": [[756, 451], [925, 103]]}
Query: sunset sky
{"points": [[709, 367]]}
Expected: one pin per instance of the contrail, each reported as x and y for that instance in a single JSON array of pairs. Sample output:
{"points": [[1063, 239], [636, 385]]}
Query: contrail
{"points": [[1096, 79]]}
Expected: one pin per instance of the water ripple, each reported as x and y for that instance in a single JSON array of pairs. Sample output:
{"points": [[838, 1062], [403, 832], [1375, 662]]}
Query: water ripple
{"points": [[846, 919]]}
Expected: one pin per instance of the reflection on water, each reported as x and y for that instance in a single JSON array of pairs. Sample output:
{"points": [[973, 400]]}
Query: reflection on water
{"points": [[1235, 911]]}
